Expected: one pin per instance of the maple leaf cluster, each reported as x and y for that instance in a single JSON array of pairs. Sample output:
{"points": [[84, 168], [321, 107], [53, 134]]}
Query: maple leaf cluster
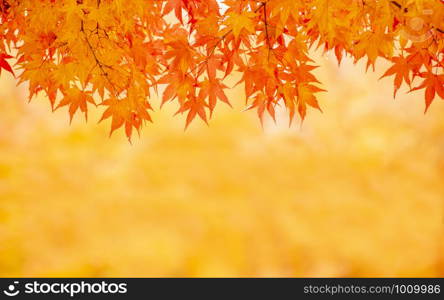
{"points": [[116, 53]]}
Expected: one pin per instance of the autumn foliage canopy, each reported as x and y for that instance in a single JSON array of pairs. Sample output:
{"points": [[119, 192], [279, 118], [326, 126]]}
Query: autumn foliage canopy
{"points": [[116, 53]]}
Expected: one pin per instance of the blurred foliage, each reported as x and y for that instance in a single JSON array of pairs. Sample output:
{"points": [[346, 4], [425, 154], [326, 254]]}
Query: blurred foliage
{"points": [[355, 191]]}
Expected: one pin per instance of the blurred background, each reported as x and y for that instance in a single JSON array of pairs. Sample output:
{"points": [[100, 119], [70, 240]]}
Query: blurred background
{"points": [[354, 191]]}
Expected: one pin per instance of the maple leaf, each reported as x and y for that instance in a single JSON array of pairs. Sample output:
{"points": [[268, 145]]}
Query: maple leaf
{"points": [[195, 107], [213, 89], [374, 46], [434, 85], [401, 69], [240, 22], [76, 99], [262, 104], [179, 85], [306, 97], [126, 112], [4, 64]]}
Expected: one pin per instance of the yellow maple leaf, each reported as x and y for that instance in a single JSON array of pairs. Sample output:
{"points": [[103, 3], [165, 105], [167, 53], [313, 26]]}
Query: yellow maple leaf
{"points": [[238, 22]]}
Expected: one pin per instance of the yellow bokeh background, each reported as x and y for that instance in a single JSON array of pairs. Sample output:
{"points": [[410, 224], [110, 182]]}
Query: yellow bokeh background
{"points": [[354, 191]]}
